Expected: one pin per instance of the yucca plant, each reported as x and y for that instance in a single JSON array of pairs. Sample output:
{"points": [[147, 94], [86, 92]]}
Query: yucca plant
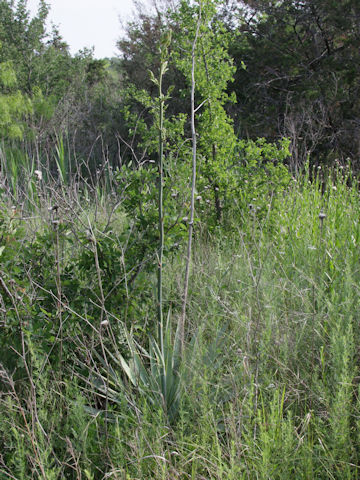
{"points": [[154, 374]]}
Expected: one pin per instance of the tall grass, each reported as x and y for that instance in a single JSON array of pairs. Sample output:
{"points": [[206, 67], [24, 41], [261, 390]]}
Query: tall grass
{"points": [[273, 335]]}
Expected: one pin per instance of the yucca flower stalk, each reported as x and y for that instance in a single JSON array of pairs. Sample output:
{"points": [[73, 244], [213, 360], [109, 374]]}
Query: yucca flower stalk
{"points": [[163, 49], [193, 185]]}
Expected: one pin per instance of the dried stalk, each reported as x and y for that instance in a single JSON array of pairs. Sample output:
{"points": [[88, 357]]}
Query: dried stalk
{"points": [[193, 187]]}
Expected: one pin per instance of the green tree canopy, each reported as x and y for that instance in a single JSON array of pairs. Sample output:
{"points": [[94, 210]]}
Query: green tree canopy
{"points": [[303, 75]]}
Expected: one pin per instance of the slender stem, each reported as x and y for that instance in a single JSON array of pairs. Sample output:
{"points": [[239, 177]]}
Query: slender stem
{"points": [[102, 313], [193, 186], [161, 212], [59, 292]]}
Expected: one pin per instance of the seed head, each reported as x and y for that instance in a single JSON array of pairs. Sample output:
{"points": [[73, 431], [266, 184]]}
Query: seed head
{"points": [[38, 173]]}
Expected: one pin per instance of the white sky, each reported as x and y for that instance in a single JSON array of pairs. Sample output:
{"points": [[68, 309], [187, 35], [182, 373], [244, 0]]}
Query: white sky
{"points": [[87, 23]]}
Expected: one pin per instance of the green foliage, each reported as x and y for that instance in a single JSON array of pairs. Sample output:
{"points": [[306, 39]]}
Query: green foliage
{"points": [[14, 106], [43, 89], [268, 385], [7, 75], [259, 179], [213, 72], [140, 204], [302, 67], [153, 375], [44, 107]]}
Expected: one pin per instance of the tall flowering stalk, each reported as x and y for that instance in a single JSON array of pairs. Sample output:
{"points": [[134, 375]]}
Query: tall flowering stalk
{"points": [[164, 46], [193, 186]]}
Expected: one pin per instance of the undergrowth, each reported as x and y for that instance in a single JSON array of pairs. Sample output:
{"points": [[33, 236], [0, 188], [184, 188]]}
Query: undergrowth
{"points": [[269, 384]]}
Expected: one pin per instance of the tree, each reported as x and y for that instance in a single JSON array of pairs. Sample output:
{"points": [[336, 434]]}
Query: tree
{"points": [[14, 106], [23, 40], [302, 77], [52, 93], [214, 71]]}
